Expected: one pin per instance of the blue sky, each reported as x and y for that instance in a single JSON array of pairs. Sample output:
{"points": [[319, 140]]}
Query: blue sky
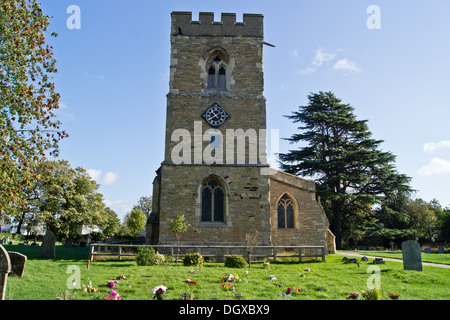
{"points": [[114, 73]]}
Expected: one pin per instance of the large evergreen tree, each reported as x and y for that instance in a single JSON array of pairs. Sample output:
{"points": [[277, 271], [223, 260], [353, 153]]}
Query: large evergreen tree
{"points": [[350, 170]]}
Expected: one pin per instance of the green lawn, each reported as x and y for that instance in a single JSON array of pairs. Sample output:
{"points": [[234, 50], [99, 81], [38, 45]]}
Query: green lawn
{"points": [[330, 280]]}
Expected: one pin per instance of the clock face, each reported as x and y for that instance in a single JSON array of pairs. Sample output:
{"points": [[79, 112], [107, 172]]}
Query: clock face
{"points": [[215, 116]]}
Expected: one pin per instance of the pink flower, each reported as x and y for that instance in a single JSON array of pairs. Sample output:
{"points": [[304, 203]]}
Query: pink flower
{"points": [[112, 283], [113, 295]]}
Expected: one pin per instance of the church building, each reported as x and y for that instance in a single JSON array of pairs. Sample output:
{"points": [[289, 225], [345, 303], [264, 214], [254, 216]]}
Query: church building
{"points": [[215, 169]]}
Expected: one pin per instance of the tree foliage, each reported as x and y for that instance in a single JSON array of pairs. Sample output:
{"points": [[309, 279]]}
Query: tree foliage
{"points": [[351, 171], [178, 226], [135, 221], [28, 130], [67, 199], [145, 205]]}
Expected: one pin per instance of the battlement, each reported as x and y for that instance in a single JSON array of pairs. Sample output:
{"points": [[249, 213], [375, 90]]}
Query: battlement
{"points": [[182, 24]]}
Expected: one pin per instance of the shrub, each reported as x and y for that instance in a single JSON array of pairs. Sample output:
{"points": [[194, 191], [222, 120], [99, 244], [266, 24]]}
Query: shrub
{"points": [[148, 257], [143, 256], [194, 260], [235, 261], [157, 259]]}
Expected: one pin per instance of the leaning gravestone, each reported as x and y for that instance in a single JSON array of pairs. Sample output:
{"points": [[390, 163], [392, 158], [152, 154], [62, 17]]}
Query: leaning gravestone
{"points": [[18, 262], [412, 260], [5, 268], [48, 245]]}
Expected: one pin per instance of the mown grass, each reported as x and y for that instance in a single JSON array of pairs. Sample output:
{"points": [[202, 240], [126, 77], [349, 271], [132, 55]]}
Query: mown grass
{"points": [[330, 280]]}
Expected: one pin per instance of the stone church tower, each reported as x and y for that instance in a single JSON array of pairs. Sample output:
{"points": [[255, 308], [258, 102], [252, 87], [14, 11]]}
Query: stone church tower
{"points": [[215, 170]]}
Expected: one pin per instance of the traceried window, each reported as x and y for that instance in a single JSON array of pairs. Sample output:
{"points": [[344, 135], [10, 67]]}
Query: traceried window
{"points": [[217, 74], [285, 212], [217, 69], [212, 201]]}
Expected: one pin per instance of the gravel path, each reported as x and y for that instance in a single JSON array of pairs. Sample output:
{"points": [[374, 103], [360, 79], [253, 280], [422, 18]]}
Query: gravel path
{"points": [[439, 265]]}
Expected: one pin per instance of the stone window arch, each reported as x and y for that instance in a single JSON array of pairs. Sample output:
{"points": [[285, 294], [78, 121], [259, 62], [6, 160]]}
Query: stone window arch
{"points": [[217, 69], [286, 212], [213, 200]]}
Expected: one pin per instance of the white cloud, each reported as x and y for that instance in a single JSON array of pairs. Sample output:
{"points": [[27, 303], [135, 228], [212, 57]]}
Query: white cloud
{"points": [[436, 166], [347, 65], [433, 146], [95, 174], [120, 207], [110, 177], [105, 179], [320, 58]]}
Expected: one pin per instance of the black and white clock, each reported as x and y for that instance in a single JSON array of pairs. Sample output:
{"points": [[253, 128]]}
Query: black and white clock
{"points": [[215, 115]]}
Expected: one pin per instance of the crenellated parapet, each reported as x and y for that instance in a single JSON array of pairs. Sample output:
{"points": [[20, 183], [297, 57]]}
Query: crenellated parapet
{"points": [[182, 24]]}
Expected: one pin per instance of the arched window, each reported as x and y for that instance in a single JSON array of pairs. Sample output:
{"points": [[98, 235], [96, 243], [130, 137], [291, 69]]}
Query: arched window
{"points": [[211, 77], [285, 212], [221, 83], [212, 201], [217, 69]]}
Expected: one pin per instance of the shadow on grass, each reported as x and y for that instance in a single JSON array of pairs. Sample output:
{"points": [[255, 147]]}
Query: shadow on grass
{"points": [[62, 253]]}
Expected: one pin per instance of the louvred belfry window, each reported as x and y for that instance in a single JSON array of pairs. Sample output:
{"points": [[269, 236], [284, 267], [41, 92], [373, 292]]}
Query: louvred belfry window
{"points": [[217, 74]]}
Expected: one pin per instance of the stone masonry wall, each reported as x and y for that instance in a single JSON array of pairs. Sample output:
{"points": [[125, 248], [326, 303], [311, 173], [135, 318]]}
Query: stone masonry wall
{"points": [[312, 223], [248, 208]]}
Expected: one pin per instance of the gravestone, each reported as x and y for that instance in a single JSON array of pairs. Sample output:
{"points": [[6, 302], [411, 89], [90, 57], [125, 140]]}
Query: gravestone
{"points": [[412, 260], [441, 250], [68, 244], [364, 259], [345, 259], [392, 243], [18, 262], [5, 269], [48, 245], [352, 260], [379, 261], [427, 250]]}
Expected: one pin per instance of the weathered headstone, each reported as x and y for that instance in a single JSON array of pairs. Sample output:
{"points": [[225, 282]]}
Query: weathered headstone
{"points": [[352, 260], [68, 244], [441, 250], [18, 262], [48, 245], [364, 259], [412, 260], [392, 243], [427, 250], [5, 269], [379, 261]]}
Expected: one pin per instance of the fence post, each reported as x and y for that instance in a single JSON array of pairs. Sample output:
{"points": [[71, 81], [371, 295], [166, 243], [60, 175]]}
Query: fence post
{"points": [[274, 254], [119, 251], [91, 257], [300, 254]]}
